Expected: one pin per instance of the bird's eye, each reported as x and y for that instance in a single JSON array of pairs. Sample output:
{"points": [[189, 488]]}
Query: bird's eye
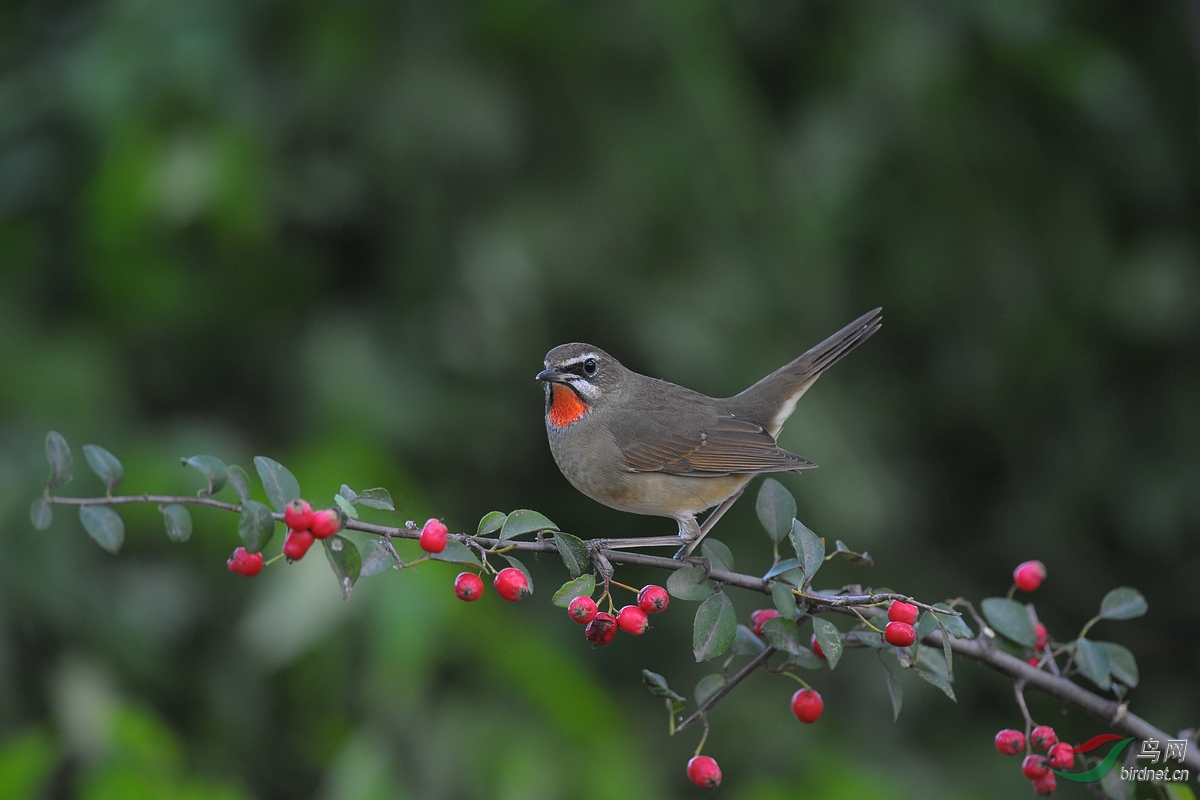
{"points": [[589, 366]]}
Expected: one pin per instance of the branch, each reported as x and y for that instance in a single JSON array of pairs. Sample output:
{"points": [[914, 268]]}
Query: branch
{"points": [[742, 674]]}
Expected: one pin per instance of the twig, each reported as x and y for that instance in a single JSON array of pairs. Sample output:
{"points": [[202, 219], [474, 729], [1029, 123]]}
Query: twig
{"points": [[742, 674]]}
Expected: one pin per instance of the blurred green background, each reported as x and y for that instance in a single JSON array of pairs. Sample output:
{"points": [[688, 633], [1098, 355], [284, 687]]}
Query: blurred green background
{"points": [[343, 234]]}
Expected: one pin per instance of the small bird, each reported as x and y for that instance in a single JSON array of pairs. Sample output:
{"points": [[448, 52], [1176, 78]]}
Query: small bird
{"points": [[647, 446]]}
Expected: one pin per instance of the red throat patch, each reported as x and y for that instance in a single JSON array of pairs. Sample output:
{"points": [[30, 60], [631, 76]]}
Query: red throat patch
{"points": [[565, 407]]}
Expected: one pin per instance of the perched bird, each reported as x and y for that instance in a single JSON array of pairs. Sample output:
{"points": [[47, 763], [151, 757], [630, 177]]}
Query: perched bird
{"points": [[647, 446]]}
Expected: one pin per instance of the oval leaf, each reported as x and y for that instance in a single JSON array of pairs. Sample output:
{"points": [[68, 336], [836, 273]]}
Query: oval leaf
{"points": [[376, 498], [783, 635], [809, 547], [830, 640], [1093, 662], [345, 560], [214, 471], [522, 522], [375, 559], [346, 506], [745, 643], [708, 687], [806, 659], [40, 513], [776, 509], [785, 601], [786, 565], [457, 553], [1123, 603], [178, 522], [955, 625], [62, 465], [659, 688], [240, 481], [490, 523], [348, 493], [718, 553], [105, 465], [1122, 666], [583, 586], [1010, 619], [104, 526], [279, 483], [894, 690], [573, 551], [714, 628], [689, 583], [938, 680], [256, 526]]}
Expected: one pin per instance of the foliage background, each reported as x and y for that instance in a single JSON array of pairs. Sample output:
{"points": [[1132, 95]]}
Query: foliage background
{"points": [[343, 234]]}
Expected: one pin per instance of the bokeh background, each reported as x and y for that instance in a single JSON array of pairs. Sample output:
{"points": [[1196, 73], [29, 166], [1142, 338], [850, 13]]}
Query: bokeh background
{"points": [[343, 234]]}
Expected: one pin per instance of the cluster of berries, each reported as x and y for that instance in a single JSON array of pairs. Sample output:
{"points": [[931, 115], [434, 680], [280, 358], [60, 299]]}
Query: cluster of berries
{"points": [[601, 626], [1059, 755], [304, 527], [510, 582], [901, 617]]}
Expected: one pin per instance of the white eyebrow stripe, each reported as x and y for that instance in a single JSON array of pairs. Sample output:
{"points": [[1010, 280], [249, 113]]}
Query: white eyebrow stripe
{"points": [[580, 359]]}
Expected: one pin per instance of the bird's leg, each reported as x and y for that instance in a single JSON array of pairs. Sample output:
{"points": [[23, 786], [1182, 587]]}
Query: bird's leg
{"points": [[690, 542], [643, 541]]}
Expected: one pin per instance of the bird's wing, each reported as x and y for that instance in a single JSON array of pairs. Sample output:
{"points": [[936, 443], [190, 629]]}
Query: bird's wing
{"points": [[723, 445]]}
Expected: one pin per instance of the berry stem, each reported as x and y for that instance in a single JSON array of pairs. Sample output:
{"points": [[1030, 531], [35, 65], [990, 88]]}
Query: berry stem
{"points": [[703, 738], [272, 560]]}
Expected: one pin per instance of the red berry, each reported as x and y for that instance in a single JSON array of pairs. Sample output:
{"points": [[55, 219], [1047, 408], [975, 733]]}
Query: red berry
{"points": [[1034, 767], [816, 646], [703, 771], [468, 586], [760, 617], [601, 630], [900, 634], [1042, 636], [1046, 784], [653, 599], [900, 611], [298, 515], [433, 536], [1062, 756], [1029, 575], [807, 705], [1010, 742], [632, 619], [582, 609], [511, 584], [1034, 662], [297, 544], [1043, 737], [325, 523], [243, 563]]}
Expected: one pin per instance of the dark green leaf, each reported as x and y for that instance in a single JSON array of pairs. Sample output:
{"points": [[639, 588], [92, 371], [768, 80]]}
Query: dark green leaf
{"points": [[659, 688], [583, 586], [346, 506], [708, 686], [947, 653], [490, 523], [1093, 662], [375, 559], [717, 552], [516, 563], [714, 628], [240, 481], [62, 465], [345, 560], [522, 522], [782, 635], [829, 639], [938, 680], [573, 551], [40, 513], [785, 601], [178, 522], [256, 526], [783, 566], [378, 497], [745, 643], [105, 465], [955, 625], [1123, 603], [104, 526], [776, 508], [689, 583], [863, 558], [279, 483], [806, 659], [214, 471], [932, 659], [1010, 619], [894, 690], [810, 549], [862, 638], [1121, 663], [457, 553]]}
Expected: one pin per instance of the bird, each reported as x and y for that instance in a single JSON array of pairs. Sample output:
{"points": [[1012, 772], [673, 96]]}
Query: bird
{"points": [[647, 446]]}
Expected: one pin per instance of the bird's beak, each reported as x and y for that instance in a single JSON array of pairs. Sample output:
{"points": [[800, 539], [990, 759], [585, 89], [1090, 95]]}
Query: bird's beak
{"points": [[550, 376]]}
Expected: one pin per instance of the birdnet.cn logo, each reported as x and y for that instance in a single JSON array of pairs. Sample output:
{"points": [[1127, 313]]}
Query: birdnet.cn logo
{"points": [[1151, 762]]}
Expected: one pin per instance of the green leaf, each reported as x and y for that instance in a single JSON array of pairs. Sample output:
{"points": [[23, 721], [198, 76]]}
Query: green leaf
{"points": [[1123, 603], [378, 497], [810, 549], [240, 481], [806, 659], [516, 563], [894, 690], [348, 493], [1122, 666], [105, 465], [1010, 619], [689, 583], [776, 508], [830, 640], [955, 625], [938, 680], [62, 465], [863, 558], [1093, 662], [279, 483], [256, 526], [522, 522], [573, 551], [716, 552], [708, 687], [178, 522], [659, 688], [1178, 791], [932, 660], [345, 560], [104, 526], [862, 637], [785, 601], [583, 586], [346, 506], [786, 565], [457, 553], [745, 643], [214, 471], [375, 559], [714, 628], [41, 514], [490, 523], [783, 635]]}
